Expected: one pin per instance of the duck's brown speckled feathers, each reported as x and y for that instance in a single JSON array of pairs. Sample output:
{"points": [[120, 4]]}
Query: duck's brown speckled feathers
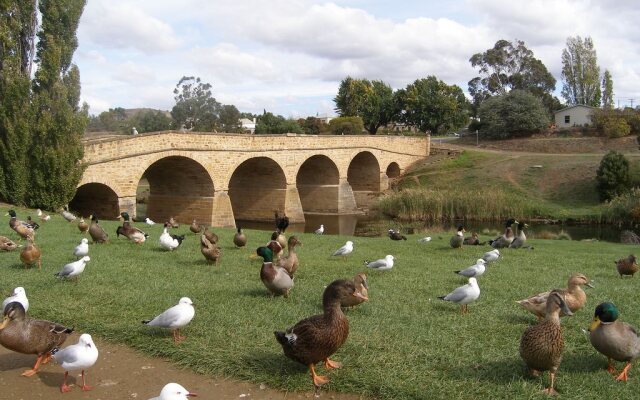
{"points": [[290, 263], [7, 244], [98, 235], [362, 287], [211, 237], [82, 225], [627, 266], [240, 239], [210, 251], [30, 253]]}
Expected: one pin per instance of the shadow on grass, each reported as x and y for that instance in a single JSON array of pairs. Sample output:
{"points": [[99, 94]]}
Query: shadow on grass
{"points": [[261, 293], [584, 363], [518, 319], [274, 361], [498, 372]]}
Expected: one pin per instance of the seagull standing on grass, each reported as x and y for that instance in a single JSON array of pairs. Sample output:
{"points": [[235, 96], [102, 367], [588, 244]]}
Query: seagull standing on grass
{"points": [[18, 295], [77, 357], [82, 249], [148, 221], [474, 270], [73, 269], [491, 256], [464, 295], [425, 239], [175, 318], [320, 230], [381, 264], [174, 391], [344, 250]]}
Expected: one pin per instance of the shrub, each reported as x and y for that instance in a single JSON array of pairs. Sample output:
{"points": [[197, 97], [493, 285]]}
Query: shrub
{"points": [[517, 113], [346, 126], [615, 128], [613, 175], [625, 207]]}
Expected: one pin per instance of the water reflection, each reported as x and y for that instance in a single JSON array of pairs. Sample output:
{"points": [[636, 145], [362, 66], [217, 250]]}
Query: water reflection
{"points": [[334, 224]]}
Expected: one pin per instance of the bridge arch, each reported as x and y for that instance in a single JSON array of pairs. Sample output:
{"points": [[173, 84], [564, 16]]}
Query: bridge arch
{"points": [[364, 177], [393, 170], [179, 187], [95, 197], [318, 182], [257, 187]]}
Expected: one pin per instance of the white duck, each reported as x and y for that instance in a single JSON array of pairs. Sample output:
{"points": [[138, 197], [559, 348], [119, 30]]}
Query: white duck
{"points": [[148, 221], [320, 230], [73, 269], [491, 256], [77, 357], [344, 250], [175, 318], [19, 295], [169, 241], [475, 270], [82, 249], [67, 215], [174, 391], [43, 217], [381, 264], [464, 295]]}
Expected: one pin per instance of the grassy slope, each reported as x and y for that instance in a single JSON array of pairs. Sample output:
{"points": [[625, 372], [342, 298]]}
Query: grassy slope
{"points": [[564, 187], [403, 343]]}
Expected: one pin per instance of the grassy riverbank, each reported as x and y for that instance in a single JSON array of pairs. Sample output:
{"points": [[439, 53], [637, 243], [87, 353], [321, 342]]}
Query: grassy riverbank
{"points": [[403, 344], [481, 185]]}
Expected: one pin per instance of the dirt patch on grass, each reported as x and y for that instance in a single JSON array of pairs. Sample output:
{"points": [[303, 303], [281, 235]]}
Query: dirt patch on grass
{"points": [[556, 144]]}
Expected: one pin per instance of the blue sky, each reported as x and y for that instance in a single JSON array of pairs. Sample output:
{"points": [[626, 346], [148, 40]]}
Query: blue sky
{"points": [[288, 56]]}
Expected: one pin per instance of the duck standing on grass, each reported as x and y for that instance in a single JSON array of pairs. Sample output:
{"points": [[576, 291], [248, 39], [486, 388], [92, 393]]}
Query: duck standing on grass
{"points": [[83, 227], [19, 295], [174, 391], [457, 240], [175, 318], [239, 239], [129, 231], [282, 222], [520, 238], [541, 345], [169, 241], [24, 335], [23, 229], [194, 227], [464, 295], [506, 238], [627, 266], [290, 261], [98, 235], [573, 295], [274, 278], [209, 250], [316, 338], [77, 357], [82, 249], [30, 253]]}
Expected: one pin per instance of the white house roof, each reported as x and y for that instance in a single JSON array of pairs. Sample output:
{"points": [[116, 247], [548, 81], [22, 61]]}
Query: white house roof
{"points": [[575, 106]]}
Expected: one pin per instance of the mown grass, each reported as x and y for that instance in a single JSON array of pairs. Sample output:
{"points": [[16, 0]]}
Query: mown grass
{"points": [[404, 343]]}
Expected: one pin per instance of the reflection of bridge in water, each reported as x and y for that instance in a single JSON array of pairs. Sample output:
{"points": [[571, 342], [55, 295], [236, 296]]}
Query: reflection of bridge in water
{"points": [[217, 178]]}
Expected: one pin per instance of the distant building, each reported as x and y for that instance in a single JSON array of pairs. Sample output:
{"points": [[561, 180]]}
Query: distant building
{"points": [[248, 124], [324, 118], [578, 115]]}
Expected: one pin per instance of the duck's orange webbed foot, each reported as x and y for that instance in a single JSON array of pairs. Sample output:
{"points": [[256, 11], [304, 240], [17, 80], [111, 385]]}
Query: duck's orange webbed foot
{"points": [[332, 364], [318, 380], [623, 376]]}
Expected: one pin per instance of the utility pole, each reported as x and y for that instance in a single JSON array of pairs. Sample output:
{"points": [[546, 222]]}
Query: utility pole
{"points": [[631, 101]]}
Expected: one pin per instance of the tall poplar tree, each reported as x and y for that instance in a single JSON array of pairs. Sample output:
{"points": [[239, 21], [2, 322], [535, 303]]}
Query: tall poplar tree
{"points": [[57, 121], [607, 90], [580, 72]]}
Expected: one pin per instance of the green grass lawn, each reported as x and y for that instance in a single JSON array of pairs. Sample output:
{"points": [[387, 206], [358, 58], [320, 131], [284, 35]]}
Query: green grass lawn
{"points": [[404, 343]]}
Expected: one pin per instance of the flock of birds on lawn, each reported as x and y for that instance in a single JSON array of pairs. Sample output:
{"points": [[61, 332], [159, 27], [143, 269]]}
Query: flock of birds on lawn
{"points": [[314, 339]]}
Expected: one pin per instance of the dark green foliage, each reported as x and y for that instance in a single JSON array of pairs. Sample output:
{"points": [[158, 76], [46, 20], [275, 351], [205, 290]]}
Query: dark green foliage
{"points": [[517, 113], [616, 127], [313, 126], [150, 121], [580, 72], [267, 123], [607, 90], [195, 107], [370, 100], [229, 119], [613, 176], [616, 123], [346, 126]]}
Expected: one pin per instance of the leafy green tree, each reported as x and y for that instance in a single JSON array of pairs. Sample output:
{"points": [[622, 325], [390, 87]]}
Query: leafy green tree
{"points": [[370, 100], [57, 121], [195, 108], [346, 126], [433, 106], [580, 72], [613, 176], [267, 123], [150, 121], [616, 127], [607, 89], [229, 119], [508, 66], [313, 125], [16, 34], [517, 113]]}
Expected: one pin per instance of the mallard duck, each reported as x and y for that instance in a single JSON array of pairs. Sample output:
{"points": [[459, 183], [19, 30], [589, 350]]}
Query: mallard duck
{"points": [[282, 222], [274, 278], [240, 239], [14, 222], [129, 231], [195, 228], [30, 253], [98, 235], [7, 244], [541, 345], [464, 295], [174, 391], [19, 295], [615, 339], [282, 240], [316, 338], [381, 264], [210, 251], [520, 238], [175, 318], [67, 215], [457, 240], [73, 269], [20, 227], [290, 261], [32, 224], [320, 230], [473, 271], [24, 335], [344, 250], [362, 287], [83, 227], [212, 237], [627, 266], [275, 246], [43, 217], [573, 295], [169, 241], [77, 357], [82, 249], [506, 238], [472, 240], [395, 235], [173, 222]]}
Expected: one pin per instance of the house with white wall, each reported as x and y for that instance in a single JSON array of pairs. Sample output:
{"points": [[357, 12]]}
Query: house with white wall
{"points": [[248, 124], [578, 115]]}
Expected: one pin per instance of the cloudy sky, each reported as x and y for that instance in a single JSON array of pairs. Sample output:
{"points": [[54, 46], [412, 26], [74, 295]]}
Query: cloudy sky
{"points": [[288, 56]]}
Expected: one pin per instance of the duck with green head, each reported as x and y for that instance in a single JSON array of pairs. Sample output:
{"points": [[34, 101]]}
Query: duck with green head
{"points": [[615, 339], [132, 233], [275, 278]]}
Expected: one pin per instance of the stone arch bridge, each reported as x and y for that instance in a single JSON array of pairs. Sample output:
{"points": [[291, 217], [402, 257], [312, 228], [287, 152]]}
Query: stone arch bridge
{"points": [[217, 178]]}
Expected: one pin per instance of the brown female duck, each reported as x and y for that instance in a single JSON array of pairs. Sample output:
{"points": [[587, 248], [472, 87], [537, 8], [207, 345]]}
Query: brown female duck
{"points": [[30, 254], [24, 335], [290, 261], [83, 227], [274, 278], [195, 228], [210, 251], [541, 345], [627, 266], [98, 235], [362, 287], [507, 237], [212, 237], [316, 338], [574, 296], [240, 239], [7, 244]]}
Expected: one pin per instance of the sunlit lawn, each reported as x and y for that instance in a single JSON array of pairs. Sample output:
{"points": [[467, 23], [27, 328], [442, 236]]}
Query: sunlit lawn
{"points": [[404, 343]]}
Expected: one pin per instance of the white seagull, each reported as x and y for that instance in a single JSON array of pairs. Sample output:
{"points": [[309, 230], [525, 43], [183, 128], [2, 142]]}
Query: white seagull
{"points": [[344, 250], [320, 230], [381, 264], [73, 269], [174, 391], [464, 295], [82, 249], [169, 241], [425, 239], [18, 295], [148, 221], [175, 318], [475, 270], [491, 256], [77, 357]]}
